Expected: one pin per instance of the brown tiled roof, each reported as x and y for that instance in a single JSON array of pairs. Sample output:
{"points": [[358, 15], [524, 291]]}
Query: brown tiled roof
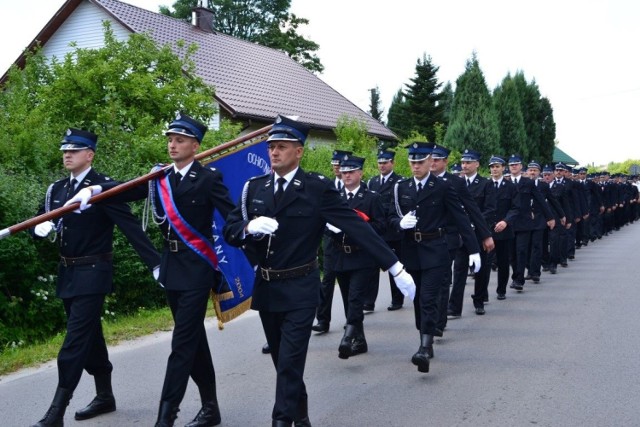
{"points": [[251, 81]]}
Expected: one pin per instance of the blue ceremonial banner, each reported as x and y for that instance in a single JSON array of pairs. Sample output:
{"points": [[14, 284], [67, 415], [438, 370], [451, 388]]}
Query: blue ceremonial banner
{"points": [[236, 168]]}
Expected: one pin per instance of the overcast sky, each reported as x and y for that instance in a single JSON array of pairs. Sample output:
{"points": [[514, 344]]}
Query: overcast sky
{"points": [[584, 55]]}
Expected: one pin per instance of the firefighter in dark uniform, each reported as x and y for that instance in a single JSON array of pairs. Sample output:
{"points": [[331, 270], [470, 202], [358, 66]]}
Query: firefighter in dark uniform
{"points": [[183, 203], [421, 209], [85, 275], [531, 202], [507, 207], [355, 269], [281, 218], [329, 254], [479, 202], [383, 184], [537, 235]]}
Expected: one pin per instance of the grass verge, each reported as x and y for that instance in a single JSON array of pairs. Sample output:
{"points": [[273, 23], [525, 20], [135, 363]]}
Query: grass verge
{"points": [[124, 328]]}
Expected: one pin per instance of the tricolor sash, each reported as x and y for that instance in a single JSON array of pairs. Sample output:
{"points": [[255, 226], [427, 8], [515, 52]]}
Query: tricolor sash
{"points": [[189, 235]]}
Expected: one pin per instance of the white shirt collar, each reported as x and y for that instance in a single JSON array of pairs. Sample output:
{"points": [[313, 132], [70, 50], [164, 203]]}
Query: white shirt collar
{"points": [[354, 191], [81, 176], [288, 177], [184, 171]]}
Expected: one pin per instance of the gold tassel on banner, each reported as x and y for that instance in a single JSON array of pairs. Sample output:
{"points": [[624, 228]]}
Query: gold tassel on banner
{"points": [[228, 315]]}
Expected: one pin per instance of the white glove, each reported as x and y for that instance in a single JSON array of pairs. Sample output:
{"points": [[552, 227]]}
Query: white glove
{"points": [[408, 221], [156, 275], [43, 229], [474, 261], [333, 228], [83, 197], [262, 225], [403, 280]]}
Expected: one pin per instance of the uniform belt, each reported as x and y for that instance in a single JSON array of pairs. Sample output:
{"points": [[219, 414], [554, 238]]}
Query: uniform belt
{"points": [[177, 245], [420, 236], [269, 274], [347, 249], [83, 260]]}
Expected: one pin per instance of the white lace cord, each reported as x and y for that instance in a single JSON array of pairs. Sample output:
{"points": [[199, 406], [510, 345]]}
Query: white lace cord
{"points": [[47, 208]]}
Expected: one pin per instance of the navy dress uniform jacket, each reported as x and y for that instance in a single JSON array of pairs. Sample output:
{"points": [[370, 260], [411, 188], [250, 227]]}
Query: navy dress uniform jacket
{"points": [[309, 202], [386, 195], [197, 196], [348, 255], [531, 202], [434, 206], [507, 208], [91, 233]]}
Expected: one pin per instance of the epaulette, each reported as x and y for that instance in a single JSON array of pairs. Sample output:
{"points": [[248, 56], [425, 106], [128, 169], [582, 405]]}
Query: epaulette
{"points": [[316, 175], [400, 181], [254, 178]]}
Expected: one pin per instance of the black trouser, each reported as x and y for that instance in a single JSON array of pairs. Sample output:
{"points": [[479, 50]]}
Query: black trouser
{"points": [[520, 255], [556, 240], [443, 299], [84, 346], [397, 298], [502, 255], [571, 239], [546, 258], [535, 253], [357, 284], [328, 284], [425, 304], [190, 354], [288, 335]]}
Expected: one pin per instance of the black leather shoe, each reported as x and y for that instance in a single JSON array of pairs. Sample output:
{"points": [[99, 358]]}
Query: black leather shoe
{"points": [[518, 287], [304, 422], [208, 416], [571, 257], [452, 315], [564, 264], [527, 277], [480, 311], [320, 327], [394, 307], [368, 307], [535, 279], [553, 270], [98, 406], [420, 358], [266, 349], [501, 297]]}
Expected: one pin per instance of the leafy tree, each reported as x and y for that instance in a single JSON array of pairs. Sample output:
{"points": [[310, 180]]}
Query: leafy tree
{"points": [[375, 109], [547, 131], [529, 94], [268, 23], [513, 138], [423, 99], [125, 92], [446, 101], [397, 119], [473, 123]]}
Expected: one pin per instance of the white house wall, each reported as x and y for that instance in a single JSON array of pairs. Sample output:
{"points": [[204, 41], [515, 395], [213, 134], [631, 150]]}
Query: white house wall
{"points": [[84, 27]]}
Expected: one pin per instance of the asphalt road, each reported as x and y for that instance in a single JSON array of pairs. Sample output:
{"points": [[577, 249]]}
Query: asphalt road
{"points": [[564, 353]]}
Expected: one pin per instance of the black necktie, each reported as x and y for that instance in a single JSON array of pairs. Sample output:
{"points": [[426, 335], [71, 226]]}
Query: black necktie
{"points": [[280, 190], [419, 187], [339, 185], [178, 178], [468, 182], [71, 188], [382, 180], [349, 195], [495, 184]]}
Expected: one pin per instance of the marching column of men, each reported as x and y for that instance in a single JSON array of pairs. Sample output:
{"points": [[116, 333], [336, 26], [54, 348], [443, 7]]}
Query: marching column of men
{"points": [[417, 228]]}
